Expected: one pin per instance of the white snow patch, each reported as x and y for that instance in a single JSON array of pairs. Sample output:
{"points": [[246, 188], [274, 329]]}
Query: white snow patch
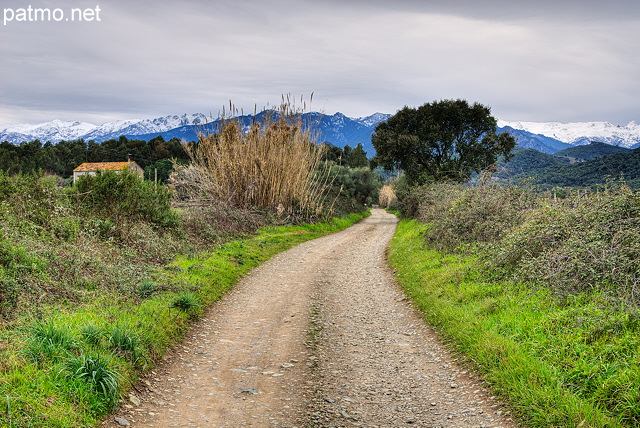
{"points": [[582, 132]]}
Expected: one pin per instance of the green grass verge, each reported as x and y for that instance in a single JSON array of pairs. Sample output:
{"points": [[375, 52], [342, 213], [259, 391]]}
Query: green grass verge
{"points": [[70, 369], [557, 361]]}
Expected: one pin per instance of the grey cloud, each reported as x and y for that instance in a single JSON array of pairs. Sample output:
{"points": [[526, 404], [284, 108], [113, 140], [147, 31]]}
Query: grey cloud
{"points": [[548, 60]]}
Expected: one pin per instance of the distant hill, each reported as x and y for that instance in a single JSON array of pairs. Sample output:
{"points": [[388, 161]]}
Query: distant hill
{"points": [[526, 160], [537, 142], [591, 151], [593, 172]]}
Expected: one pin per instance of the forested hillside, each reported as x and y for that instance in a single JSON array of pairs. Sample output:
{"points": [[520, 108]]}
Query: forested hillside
{"points": [[591, 151], [594, 172], [525, 160], [581, 166]]}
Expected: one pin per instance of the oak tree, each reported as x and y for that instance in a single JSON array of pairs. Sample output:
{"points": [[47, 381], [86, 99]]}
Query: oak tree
{"points": [[442, 140]]}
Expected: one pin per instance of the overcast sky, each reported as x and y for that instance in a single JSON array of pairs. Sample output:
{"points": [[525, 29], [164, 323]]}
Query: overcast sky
{"points": [[539, 60]]}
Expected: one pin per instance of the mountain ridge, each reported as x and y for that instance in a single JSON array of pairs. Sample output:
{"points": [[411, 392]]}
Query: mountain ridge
{"points": [[581, 133], [337, 129]]}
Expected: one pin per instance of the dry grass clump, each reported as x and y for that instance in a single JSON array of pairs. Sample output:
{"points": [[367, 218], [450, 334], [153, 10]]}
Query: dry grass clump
{"points": [[268, 164], [387, 196]]}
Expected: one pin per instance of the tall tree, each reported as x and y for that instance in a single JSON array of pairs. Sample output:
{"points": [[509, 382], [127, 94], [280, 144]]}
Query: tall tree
{"points": [[357, 158], [442, 140], [333, 153]]}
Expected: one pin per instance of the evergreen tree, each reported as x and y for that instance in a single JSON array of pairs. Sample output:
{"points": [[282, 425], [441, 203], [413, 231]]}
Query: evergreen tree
{"points": [[357, 158], [443, 140]]}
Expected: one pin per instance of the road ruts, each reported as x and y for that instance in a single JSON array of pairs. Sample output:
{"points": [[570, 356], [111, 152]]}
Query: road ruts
{"points": [[320, 335], [379, 364]]}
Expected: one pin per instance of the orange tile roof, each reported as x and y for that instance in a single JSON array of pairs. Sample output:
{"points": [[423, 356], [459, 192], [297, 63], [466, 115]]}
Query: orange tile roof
{"points": [[103, 166]]}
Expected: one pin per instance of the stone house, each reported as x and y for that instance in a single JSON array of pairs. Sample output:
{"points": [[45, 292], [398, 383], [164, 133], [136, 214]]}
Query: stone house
{"points": [[93, 168]]}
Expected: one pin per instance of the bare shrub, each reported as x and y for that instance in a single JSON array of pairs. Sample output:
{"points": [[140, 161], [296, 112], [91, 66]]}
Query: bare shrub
{"points": [[470, 215], [269, 165], [584, 242], [581, 242], [207, 224]]}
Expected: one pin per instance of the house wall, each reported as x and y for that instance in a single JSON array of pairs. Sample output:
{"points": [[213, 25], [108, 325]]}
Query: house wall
{"points": [[137, 169], [78, 174], [133, 167]]}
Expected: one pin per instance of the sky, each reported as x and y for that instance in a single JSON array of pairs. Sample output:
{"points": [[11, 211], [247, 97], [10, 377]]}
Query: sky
{"points": [[559, 60]]}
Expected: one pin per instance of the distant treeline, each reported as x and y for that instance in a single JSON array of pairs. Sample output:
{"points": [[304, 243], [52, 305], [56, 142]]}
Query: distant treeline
{"points": [[351, 157], [61, 158]]}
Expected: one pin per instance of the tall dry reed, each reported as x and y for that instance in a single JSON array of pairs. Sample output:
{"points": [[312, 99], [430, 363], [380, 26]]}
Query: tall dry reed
{"points": [[268, 164], [387, 196]]}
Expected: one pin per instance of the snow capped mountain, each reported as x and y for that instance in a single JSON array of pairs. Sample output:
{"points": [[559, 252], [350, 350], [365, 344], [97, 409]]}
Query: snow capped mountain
{"points": [[145, 126], [337, 129], [539, 142], [373, 119], [580, 133], [50, 131], [58, 130]]}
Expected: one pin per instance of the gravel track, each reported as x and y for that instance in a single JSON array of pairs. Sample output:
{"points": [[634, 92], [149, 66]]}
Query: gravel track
{"points": [[319, 336]]}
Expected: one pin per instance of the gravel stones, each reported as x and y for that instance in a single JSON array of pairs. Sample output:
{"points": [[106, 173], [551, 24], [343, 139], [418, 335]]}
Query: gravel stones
{"points": [[319, 335]]}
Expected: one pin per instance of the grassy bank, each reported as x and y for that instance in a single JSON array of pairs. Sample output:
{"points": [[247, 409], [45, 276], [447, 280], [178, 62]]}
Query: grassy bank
{"points": [[69, 365], [558, 360]]}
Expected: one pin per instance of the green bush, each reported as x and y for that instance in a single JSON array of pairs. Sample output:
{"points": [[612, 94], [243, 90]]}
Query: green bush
{"points": [[14, 258], [31, 198], [351, 189], [123, 198], [159, 171]]}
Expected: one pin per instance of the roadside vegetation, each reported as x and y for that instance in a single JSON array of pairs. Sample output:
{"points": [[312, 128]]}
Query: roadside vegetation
{"points": [[89, 299], [99, 279], [539, 291]]}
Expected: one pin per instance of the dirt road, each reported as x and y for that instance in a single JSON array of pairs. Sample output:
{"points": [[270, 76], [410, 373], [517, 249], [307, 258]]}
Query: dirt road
{"points": [[318, 336]]}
